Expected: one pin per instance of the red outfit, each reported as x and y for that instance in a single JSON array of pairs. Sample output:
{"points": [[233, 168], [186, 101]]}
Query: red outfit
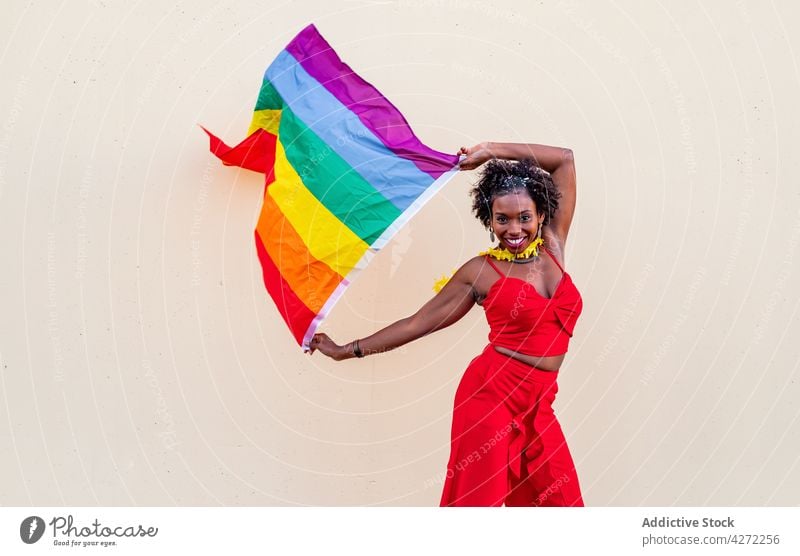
{"points": [[506, 444]]}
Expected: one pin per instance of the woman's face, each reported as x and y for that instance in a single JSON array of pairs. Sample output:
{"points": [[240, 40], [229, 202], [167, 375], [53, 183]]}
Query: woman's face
{"points": [[515, 220]]}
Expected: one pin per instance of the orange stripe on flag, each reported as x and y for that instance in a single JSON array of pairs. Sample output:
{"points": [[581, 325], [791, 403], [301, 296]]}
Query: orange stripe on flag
{"points": [[297, 316], [310, 279]]}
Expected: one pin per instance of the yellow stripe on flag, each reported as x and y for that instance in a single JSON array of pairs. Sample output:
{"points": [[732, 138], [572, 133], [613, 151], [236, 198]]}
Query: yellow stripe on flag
{"points": [[311, 280], [265, 119], [326, 237]]}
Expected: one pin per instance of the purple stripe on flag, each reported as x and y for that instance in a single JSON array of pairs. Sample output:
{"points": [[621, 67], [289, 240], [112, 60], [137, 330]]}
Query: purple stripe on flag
{"points": [[372, 108]]}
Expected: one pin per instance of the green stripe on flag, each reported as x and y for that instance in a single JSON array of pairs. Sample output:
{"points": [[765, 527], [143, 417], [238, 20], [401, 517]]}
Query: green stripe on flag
{"points": [[342, 190]]}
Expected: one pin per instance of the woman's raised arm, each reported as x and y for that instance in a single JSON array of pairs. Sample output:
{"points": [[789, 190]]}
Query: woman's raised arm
{"points": [[452, 302]]}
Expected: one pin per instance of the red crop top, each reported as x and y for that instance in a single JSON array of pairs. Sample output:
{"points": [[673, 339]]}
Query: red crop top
{"points": [[522, 320]]}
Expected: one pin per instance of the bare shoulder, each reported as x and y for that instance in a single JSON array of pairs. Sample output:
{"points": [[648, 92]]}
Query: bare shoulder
{"points": [[473, 268], [480, 276], [468, 272]]}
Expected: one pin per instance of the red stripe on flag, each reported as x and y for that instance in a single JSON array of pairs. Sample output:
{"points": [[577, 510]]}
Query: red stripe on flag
{"points": [[256, 152], [297, 316]]}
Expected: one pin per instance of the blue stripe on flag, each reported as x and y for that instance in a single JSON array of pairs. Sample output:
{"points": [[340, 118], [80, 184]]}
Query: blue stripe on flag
{"points": [[397, 179]]}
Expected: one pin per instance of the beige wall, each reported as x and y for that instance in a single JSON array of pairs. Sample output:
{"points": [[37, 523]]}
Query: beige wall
{"points": [[142, 362]]}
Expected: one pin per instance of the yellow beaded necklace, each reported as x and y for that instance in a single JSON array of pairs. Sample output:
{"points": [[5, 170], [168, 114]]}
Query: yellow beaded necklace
{"points": [[501, 255]]}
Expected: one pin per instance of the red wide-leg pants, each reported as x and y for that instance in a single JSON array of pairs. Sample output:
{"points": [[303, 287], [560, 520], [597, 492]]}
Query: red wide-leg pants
{"points": [[506, 444]]}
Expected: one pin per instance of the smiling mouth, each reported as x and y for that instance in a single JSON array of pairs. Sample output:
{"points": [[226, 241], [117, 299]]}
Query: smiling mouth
{"points": [[516, 242]]}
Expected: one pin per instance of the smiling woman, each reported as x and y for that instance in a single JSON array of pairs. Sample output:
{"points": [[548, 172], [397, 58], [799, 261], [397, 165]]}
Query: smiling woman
{"points": [[506, 444]]}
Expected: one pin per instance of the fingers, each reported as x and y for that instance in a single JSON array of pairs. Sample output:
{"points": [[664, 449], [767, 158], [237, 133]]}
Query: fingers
{"points": [[316, 341], [471, 158], [312, 345], [466, 164]]}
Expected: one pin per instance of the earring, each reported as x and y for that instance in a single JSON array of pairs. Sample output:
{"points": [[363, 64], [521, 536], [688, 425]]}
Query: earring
{"points": [[539, 233], [491, 235]]}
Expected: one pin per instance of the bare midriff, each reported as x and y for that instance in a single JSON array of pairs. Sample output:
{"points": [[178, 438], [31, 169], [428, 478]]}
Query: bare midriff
{"points": [[548, 363]]}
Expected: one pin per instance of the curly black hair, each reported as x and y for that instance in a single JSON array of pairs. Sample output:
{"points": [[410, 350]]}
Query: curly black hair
{"points": [[501, 177]]}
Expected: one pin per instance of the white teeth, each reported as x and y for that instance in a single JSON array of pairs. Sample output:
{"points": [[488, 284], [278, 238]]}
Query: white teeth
{"points": [[516, 241]]}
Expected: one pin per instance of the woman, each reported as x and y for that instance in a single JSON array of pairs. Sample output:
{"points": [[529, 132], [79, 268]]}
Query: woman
{"points": [[506, 443]]}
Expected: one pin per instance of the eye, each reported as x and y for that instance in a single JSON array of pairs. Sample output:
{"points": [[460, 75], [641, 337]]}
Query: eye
{"points": [[526, 217], [501, 219]]}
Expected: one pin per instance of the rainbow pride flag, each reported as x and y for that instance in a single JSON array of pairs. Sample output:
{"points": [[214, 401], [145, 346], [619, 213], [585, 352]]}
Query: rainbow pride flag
{"points": [[344, 172]]}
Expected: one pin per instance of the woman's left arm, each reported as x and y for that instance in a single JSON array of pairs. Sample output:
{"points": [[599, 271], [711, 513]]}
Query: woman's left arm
{"points": [[558, 161], [448, 306]]}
